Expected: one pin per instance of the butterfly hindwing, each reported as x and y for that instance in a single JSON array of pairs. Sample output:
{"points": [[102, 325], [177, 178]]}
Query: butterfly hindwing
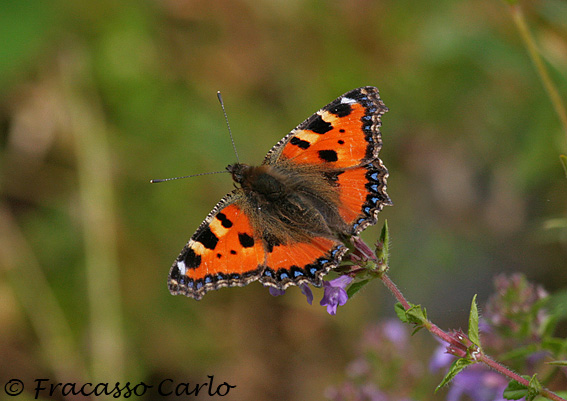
{"points": [[362, 195], [223, 252], [301, 262]]}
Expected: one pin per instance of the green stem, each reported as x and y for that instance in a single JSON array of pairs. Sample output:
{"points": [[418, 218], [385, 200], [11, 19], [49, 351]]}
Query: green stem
{"points": [[533, 51], [31, 287], [94, 168]]}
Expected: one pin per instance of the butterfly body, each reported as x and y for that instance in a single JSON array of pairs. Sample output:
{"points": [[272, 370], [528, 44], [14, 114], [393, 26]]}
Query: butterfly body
{"points": [[286, 221], [287, 203]]}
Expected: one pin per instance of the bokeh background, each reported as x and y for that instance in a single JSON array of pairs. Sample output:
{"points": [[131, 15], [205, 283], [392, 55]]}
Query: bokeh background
{"points": [[98, 97]]}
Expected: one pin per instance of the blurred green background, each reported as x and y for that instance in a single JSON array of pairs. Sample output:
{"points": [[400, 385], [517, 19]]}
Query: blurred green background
{"points": [[98, 97]]}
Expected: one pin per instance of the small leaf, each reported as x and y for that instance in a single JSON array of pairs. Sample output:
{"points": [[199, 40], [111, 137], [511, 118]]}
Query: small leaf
{"points": [[558, 363], [563, 159], [473, 323], [416, 330], [416, 314], [355, 287], [554, 345], [455, 368], [515, 391], [534, 389], [549, 325], [401, 312], [383, 246]]}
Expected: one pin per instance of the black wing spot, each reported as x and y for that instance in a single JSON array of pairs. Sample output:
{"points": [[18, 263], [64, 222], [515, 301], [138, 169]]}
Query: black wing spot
{"points": [[332, 177], [208, 239], [342, 131], [232, 252], [300, 143], [245, 240], [319, 126], [328, 155], [271, 241], [341, 110], [191, 259], [341, 142], [175, 273], [226, 223]]}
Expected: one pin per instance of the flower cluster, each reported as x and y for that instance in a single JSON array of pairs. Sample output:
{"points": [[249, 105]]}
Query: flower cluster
{"points": [[386, 368], [516, 328], [516, 309]]}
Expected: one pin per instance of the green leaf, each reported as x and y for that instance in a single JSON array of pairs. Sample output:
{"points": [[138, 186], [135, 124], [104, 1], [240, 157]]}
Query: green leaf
{"points": [[383, 246], [563, 159], [554, 345], [534, 389], [455, 368], [558, 363], [548, 326], [416, 314], [416, 330], [401, 312], [515, 391], [473, 323], [355, 287], [25, 29]]}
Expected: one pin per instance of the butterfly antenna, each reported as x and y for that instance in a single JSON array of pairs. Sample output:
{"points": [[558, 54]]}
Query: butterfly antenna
{"points": [[187, 176], [228, 125]]}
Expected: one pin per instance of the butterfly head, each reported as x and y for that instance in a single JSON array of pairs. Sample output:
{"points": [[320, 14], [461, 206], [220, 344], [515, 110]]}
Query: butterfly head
{"points": [[238, 171]]}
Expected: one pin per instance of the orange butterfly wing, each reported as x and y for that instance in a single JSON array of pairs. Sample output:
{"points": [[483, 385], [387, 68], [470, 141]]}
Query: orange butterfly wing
{"points": [[222, 253], [342, 141], [301, 262]]}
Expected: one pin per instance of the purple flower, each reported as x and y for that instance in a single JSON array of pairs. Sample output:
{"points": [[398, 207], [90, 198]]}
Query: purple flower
{"points": [[359, 368], [516, 308], [440, 359], [335, 293], [396, 332], [306, 290], [276, 292], [390, 335], [477, 383]]}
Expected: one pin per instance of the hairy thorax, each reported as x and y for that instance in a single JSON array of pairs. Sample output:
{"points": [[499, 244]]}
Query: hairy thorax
{"points": [[290, 205]]}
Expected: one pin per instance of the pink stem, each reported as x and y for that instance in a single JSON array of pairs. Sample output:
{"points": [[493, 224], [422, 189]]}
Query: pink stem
{"points": [[435, 330]]}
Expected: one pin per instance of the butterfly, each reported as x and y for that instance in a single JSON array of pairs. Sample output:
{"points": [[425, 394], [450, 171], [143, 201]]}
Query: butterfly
{"points": [[288, 219]]}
